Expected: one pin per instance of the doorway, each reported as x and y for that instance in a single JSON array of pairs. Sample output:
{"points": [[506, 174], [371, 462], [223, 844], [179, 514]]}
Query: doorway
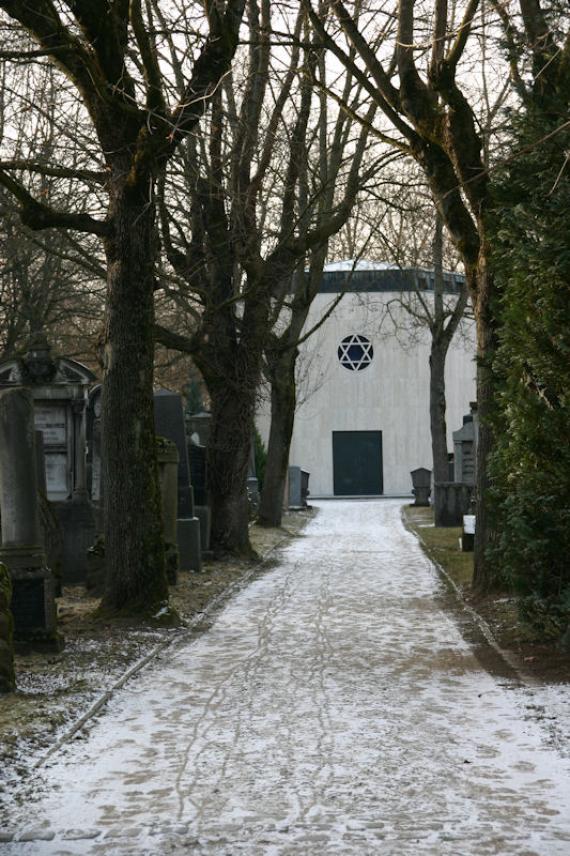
{"points": [[357, 463]]}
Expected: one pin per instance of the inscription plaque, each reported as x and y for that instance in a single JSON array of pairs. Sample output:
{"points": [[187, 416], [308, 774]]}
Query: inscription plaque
{"points": [[51, 422], [56, 475]]}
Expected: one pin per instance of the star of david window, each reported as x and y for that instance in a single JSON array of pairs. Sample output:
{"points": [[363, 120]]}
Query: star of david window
{"points": [[355, 352]]}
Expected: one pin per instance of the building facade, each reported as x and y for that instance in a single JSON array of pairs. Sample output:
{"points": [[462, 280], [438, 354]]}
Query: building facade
{"points": [[362, 422]]}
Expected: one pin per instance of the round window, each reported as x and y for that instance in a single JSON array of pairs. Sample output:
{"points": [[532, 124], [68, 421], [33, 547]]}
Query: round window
{"points": [[355, 352]]}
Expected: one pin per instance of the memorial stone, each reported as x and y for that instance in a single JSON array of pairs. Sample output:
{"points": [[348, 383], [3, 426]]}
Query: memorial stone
{"points": [[199, 477], [59, 390], [451, 501], [421, 481], [169, 423], [167, 456], [33, 597], [297, 487], [200, 423]]}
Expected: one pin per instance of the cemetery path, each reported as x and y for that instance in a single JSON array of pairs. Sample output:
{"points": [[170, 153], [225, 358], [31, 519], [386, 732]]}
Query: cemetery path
{"points": [[332, 708]]}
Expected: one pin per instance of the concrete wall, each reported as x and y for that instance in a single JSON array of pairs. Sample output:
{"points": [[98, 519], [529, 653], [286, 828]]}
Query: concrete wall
{"points": [[390, 395]]}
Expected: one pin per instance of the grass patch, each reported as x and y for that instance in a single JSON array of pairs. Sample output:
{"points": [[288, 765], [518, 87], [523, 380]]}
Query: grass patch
{"points": [[500, 610], [441, 545]]}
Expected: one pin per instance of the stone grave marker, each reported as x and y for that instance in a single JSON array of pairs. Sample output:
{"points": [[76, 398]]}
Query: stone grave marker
{"points": [[167, 457], [59, 388], [33, 596], [169, 423]]}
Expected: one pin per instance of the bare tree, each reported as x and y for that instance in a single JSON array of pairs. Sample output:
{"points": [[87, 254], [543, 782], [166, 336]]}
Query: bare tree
{"points": [[411, 66], [109, 58], [254, 200]]}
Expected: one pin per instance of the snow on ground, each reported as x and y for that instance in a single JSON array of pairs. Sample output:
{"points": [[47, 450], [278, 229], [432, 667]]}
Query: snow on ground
{"points": [[332, 708]]}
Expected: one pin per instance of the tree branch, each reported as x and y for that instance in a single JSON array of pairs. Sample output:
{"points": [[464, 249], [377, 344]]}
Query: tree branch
{"points": [[37, 215]]}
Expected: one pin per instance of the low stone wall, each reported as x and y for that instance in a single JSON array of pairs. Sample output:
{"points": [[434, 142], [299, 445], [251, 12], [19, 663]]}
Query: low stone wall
{"points": [[7, 678]]}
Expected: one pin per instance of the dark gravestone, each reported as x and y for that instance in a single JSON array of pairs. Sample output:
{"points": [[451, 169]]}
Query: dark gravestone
{"points": [[58, 387], [298, 487], [199, 473], [198, 470], [421, 481], [169, 423], [451, 501], [33, 603]]}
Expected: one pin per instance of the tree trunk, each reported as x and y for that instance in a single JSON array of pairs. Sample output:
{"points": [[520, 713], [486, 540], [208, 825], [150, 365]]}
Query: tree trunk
{"points": [[437, 408], [134, 550], [486, 341], [229, 450], [283, 400]]}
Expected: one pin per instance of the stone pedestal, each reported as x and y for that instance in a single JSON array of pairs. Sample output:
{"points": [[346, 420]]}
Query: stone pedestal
{"points": [[7, 677], [33, 597]]}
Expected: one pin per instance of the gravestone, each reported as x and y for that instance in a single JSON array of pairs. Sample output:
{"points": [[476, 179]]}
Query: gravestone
{"points": [[199, 478], [169, 423], [33, 597], [297, 487], [167, 457], [7, 677], [421, 482], [200, 423], [464, 452], [59, 390], [451, 501]]}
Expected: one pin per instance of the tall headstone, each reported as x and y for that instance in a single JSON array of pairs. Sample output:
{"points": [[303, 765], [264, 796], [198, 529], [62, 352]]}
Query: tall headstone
{"points": [[169, 423], [167, 457], [7, 676], [33, 596], [199, 476], [59, 390]]}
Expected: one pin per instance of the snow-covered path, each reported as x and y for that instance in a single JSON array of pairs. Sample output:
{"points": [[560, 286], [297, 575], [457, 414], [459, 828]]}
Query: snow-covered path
{"points": [[332, 708]]}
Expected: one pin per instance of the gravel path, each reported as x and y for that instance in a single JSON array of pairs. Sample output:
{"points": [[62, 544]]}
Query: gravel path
{"points": [[332, 708]]}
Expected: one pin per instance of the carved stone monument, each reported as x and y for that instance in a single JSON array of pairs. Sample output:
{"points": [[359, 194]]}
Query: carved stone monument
{"points": [[59, 390], [33, 597]]}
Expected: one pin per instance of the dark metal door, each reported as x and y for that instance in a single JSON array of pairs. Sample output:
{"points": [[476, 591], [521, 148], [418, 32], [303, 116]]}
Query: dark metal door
{"points": [[357, 463]]}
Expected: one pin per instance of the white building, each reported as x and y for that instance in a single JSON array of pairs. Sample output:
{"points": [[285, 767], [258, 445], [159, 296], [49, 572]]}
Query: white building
{"points": [[362, 422]]}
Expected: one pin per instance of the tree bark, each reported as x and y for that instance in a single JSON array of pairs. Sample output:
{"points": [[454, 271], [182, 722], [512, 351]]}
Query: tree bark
{"points": [[136, 578], [437, 409], [283, 401], [486, 343], [229, 450]]}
